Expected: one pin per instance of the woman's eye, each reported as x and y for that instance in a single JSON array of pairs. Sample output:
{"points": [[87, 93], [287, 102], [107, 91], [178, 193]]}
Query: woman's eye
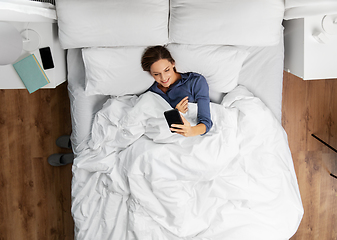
{"points": [[167, 70]]}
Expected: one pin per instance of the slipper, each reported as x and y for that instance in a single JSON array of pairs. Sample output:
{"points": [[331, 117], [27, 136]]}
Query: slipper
{"points": [[64, 142], [59, 159]]}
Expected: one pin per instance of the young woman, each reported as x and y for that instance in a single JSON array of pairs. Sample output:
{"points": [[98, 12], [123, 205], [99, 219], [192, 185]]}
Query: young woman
{"points": [[178, 89]]}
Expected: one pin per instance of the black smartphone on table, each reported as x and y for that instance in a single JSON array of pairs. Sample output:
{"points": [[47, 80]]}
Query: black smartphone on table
{"points": [[47, 59], [173, 117]]}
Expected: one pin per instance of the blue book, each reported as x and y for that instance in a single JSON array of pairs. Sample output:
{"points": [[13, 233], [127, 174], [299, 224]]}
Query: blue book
{"points": [[31, 73]]}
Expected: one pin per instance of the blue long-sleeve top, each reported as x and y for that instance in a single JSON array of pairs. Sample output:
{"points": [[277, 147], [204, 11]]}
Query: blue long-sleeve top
{"points": [[196, 88]]}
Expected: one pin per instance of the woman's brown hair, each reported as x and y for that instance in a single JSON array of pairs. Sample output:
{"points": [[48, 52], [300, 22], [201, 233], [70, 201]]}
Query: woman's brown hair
{"points": [[153, 54]]}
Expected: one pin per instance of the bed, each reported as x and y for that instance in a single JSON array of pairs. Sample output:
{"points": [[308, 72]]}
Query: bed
{"points": [[132, 177]]}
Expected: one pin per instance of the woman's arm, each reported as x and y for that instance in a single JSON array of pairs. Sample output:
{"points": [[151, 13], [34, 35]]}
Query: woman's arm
{"points": [[201, 93], [198, 87]]}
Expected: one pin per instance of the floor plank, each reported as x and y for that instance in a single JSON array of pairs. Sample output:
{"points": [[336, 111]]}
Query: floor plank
{"points": [[35, 199], [310, 107]]}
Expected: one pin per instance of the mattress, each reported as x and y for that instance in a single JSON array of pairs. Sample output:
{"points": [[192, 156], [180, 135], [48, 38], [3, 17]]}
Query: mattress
{"points": [[236, 182]]}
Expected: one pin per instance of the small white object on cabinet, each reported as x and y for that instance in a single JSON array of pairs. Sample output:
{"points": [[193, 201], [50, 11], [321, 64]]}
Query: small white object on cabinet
{"points": [[310, 48], [48, 34], [329, 24]]}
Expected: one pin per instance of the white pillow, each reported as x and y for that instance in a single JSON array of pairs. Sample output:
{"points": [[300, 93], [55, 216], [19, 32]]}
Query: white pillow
{"points": [[220, 65], [115, 71], [227, 22], [87, 23]]}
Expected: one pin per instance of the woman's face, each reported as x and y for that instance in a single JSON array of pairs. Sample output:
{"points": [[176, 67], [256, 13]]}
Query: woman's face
{"points": [[163, 72]]}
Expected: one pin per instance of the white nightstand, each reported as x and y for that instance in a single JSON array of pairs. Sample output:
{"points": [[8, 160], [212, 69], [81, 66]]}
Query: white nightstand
{"points": [[48, 33], [305, 56]]}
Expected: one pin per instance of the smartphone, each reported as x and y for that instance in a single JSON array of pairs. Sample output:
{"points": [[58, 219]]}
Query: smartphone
{"points": [[47, 60], [173, 117]]}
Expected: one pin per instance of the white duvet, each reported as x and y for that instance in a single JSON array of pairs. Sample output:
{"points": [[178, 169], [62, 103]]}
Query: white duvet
{"points": [[137, 180]]}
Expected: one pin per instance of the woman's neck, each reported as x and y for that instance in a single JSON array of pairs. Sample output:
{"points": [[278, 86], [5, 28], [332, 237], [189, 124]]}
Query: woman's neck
{"points": [[162, 88]]}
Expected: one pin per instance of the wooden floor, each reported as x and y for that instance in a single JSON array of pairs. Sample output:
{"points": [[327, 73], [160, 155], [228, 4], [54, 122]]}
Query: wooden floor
{"points": [[35, 197], [310, 107]]}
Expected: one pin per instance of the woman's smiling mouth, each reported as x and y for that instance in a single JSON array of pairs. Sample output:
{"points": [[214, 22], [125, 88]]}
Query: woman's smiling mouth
{"points": [[164, 82]]}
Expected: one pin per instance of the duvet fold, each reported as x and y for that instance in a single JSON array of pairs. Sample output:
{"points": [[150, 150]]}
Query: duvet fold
{"points": [[137, 180]]}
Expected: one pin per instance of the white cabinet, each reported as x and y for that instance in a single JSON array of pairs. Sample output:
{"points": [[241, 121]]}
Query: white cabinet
{"points": [[310, 52], [48, 33]]}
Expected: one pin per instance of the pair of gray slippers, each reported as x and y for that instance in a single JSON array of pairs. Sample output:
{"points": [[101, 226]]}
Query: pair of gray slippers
{"points": [[61, 159]]}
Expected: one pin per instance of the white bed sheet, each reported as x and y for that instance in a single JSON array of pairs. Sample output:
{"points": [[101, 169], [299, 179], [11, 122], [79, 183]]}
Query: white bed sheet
{"points": [[262, 74]]}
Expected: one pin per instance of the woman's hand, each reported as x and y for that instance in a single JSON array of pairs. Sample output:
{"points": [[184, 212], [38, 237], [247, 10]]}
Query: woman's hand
{"points": [[187, 130], [182, 106]]}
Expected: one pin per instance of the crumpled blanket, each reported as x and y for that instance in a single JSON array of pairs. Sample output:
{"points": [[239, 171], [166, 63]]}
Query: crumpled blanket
{"points": [[137, 180]]}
